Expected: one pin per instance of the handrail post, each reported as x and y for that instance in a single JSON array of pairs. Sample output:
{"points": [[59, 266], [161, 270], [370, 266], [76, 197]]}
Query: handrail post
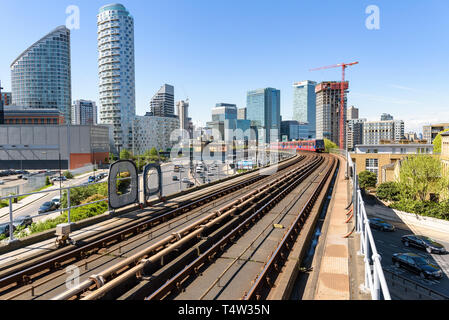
{"points": [[68, 205], [11, 231]]}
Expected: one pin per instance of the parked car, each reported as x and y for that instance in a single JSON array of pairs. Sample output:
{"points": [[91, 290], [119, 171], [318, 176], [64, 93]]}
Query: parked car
{"points": [[380, 224], [175, 178], [2, 182], [61, 178], [57, 201], [91, 179], [190, 184], [4, 229], [24, 221], [47, 207], [423, 242], [210, 174], [417, 264]]}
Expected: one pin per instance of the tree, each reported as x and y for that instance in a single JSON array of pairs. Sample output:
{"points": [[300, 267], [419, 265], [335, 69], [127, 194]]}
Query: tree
{"points": [[125, 154], [367, 179], [437, 142], [388, 191], [68, 174], [47, 181], [420, 175], [329, 145], [153, 152]]}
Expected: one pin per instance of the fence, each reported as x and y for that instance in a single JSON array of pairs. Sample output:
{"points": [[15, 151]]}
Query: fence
{"points": [[374, 276]]}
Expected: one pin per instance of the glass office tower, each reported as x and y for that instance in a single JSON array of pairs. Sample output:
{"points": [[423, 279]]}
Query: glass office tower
{"points": [[263, 108], [41, 75], [115, 28], [304, 105]]}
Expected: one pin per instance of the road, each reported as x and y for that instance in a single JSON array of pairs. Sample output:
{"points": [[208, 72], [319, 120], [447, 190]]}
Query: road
{"points": [[388, 243], [32, 208]]}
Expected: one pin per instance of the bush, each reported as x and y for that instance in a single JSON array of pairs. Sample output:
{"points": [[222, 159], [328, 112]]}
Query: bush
{"points": [[329, 145], [47, 181], [367, 179], [78, 195], [93, 198], [424, 208], [68, 175], [388, 191]]}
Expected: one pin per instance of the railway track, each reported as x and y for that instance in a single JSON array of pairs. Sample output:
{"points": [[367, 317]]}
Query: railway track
{"points": [[43, 277]]}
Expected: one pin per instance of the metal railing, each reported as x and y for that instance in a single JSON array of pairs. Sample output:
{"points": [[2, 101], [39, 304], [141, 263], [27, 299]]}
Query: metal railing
{"points": [[374, 276]]}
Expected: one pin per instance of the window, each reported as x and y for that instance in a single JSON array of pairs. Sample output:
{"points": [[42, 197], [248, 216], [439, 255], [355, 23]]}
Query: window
{"points": [[372, 165]]}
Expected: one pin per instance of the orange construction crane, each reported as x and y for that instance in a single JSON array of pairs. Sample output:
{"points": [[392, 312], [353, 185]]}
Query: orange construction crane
{"points": [[342, 96]]}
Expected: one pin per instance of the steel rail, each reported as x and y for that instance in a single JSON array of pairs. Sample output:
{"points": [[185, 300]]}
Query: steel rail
{"points": [[219, 214], [193, 268], [279, 256], [23, 276]]}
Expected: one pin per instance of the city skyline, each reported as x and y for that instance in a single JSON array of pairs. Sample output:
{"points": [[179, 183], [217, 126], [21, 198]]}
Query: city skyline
{"points": [[380, 83]]}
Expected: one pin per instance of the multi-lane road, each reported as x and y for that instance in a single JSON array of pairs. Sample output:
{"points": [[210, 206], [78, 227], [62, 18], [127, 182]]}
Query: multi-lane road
{"points": [[388, 243]]}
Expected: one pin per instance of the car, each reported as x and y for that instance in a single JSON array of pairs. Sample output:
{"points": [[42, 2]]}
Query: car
{"points": [[185, 180], [4, 229], [91, 179], [24, 221], [190, 184], [2, 182], [57, 201], [175, 178], [379, 224], [61, 178], [423, 242], [210, 174], [47, 207], [417, 264]]}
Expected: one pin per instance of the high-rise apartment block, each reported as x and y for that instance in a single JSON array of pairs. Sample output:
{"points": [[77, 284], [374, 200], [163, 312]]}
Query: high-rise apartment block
{"points": [[431, 131], [304, 105], [84, 112], [41, 75], [354, 129], [352, 113], [163, 102], [328, 111], [294, 130], [115, 28], [376, 131], [183, 114], [263, 109]]}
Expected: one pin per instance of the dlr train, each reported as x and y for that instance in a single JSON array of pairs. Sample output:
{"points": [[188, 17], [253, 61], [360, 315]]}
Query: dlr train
{"points": [[316, 145]]}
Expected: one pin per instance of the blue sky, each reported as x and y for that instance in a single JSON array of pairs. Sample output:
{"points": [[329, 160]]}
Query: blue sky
{"points": [[215, 51]]}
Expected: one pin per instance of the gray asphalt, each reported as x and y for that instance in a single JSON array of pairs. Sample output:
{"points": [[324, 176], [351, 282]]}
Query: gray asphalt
{"points": [[388, 243]]}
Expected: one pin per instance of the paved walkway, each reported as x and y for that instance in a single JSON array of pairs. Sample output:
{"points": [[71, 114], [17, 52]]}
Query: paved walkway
{"points": [[333, 281]]}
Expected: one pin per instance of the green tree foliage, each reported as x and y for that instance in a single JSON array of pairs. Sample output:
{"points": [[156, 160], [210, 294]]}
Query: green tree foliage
{"points": [[68, 174], [420, 175], [153, 152], [329, 145], [388, 191], [125, 155], [47, 181], [78, 195], [367, 179], [437, 142]]}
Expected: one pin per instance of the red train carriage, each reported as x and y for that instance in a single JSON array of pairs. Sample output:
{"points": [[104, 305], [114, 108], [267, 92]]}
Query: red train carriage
{"points": [[316, 145]]}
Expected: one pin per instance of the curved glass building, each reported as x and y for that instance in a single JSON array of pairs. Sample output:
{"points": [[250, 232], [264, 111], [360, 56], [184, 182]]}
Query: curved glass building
{"points": [[116, 72], [41, 75]]}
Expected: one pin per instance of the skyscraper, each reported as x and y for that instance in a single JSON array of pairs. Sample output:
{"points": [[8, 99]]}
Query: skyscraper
{"points": [[163, 102], [241, 114], [385, 117], [84, 112], [115, 28], [41, 75], [304, 104], [183, 114], [263, 108], [328, 111]]}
